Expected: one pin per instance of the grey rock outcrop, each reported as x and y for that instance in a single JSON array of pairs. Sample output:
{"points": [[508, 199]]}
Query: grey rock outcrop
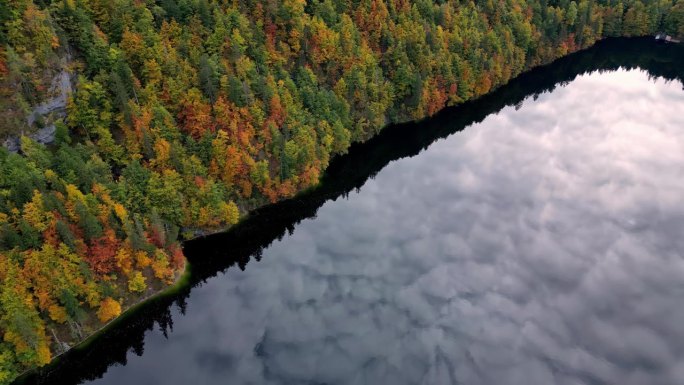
{"points": [[49, 112]]}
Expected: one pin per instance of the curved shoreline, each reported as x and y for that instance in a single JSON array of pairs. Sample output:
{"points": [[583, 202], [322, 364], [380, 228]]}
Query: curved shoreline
{"points": [[181, 280]]}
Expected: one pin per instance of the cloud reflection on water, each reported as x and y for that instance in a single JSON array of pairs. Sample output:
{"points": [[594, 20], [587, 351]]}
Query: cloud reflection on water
{"points": [[542, 246]]}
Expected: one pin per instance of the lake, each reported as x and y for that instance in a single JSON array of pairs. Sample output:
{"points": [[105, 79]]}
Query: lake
{"points": [[534, 236]]}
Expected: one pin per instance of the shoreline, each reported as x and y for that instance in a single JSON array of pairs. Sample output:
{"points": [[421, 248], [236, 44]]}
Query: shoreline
{"points": [[181, 280], [184, 277], [185, 274]]}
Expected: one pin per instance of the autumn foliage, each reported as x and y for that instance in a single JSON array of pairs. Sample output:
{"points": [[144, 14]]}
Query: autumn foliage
{"points": [[109, 309]]}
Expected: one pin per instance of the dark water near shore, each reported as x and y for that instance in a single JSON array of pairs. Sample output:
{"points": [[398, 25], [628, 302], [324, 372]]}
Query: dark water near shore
{"points": [[534, 236]]}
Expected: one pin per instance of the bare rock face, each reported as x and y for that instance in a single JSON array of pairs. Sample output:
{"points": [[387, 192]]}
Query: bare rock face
{"points": [[12, 144], [48, 112], [45, 135], [61, 88]]}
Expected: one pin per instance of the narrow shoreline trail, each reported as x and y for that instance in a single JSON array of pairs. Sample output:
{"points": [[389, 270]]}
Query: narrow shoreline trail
{"points": [[184, 116]]}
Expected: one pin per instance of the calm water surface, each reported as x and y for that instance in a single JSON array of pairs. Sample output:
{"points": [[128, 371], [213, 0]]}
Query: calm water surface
{"points": [[544, 245]]}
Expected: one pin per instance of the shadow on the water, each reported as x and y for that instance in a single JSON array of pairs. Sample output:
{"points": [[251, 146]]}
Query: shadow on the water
{"points": [[214, 254]]}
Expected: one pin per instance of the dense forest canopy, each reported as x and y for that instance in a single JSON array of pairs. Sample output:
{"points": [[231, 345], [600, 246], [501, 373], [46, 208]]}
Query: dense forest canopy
{"points": [[186, 114]]}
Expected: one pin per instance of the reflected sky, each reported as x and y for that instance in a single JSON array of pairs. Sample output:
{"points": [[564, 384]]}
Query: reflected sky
{"points": [[542, 246]]}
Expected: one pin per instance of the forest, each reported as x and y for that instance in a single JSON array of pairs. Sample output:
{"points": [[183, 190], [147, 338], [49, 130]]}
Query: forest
{"points": [[184, 115]]}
